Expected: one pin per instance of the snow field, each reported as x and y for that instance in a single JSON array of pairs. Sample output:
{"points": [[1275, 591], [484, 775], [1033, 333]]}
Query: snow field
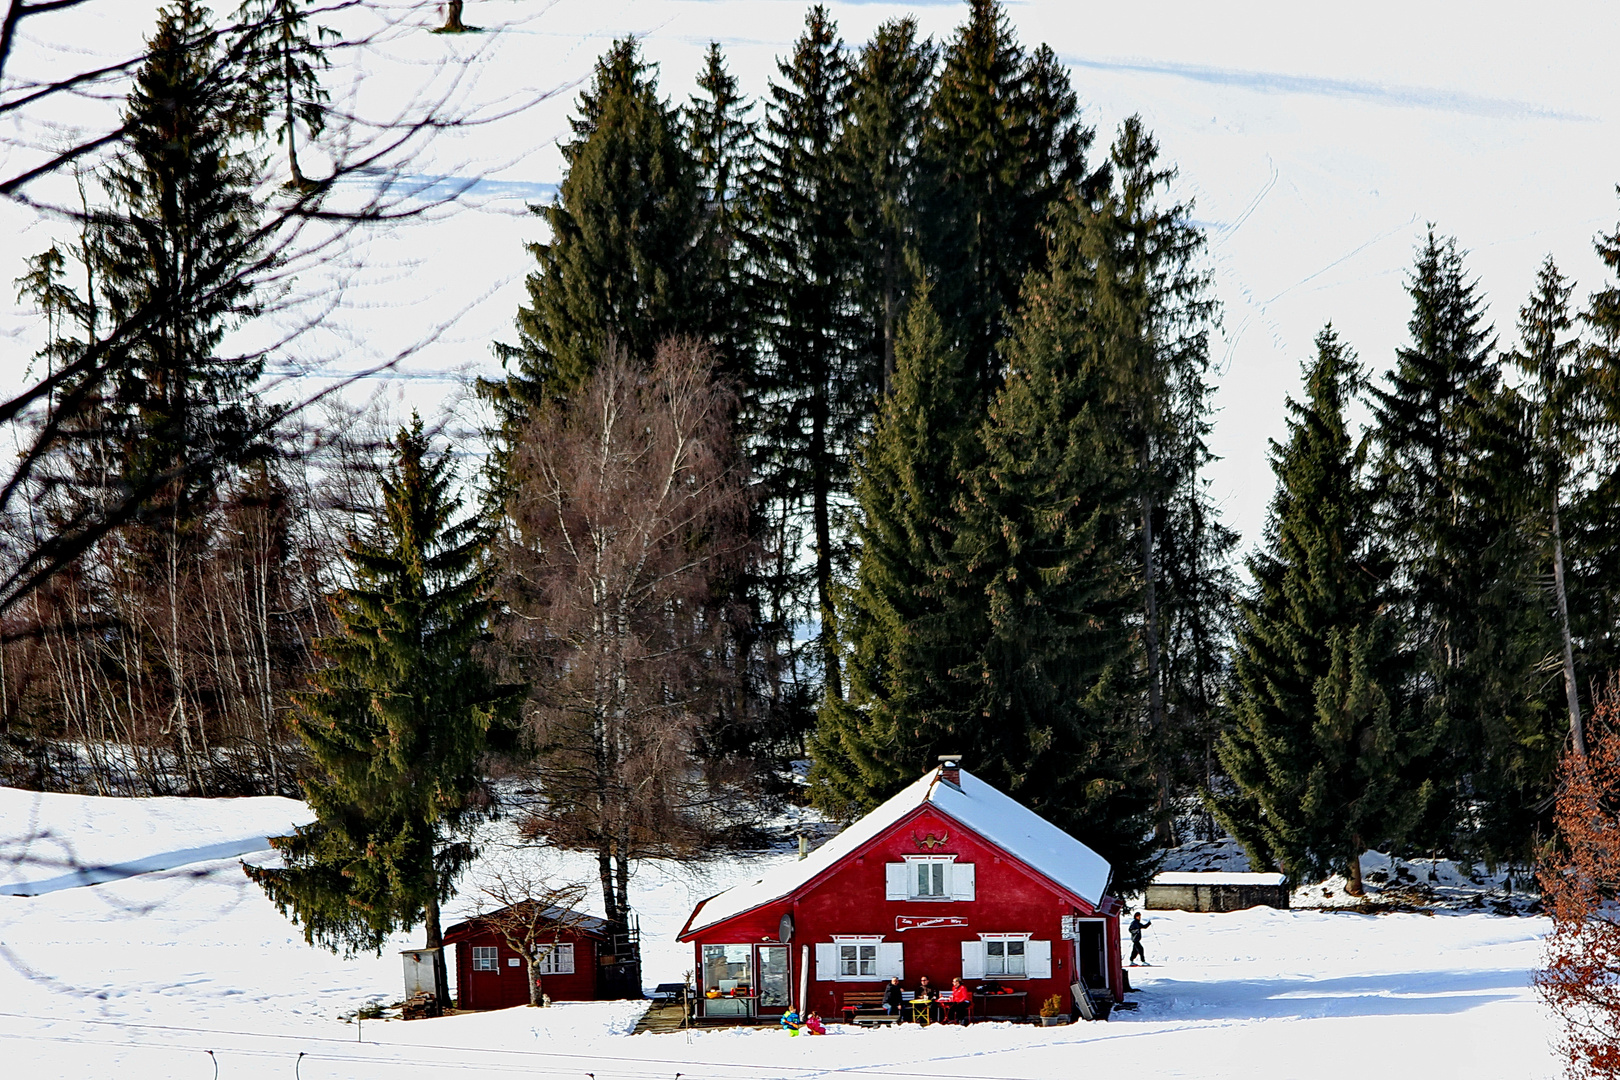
{"points": [[139, 977]]}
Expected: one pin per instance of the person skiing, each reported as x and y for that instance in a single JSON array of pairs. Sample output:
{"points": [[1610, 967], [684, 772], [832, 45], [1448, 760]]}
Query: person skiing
{"points": [[1136, 928]]}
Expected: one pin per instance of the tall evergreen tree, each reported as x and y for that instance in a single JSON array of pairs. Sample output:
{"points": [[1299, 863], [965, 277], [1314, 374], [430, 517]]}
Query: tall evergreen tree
{"points": [[396, 725], [722, 141], [1557, 415], [888, 111], [1448, 474], [1003, 141], [174, 255], [911, 626], [284, 59], [1595, 611], [1321, 745], [814, 405], [1152, 306], [628, 259], [1045, 537]]}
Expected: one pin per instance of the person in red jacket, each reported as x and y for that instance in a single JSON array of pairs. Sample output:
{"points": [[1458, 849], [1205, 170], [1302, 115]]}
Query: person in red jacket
{"points": [[958, 1002]]}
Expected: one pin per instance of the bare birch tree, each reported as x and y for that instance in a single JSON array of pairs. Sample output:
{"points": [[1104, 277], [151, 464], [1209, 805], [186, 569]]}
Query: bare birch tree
{"points": [[630, 503]]}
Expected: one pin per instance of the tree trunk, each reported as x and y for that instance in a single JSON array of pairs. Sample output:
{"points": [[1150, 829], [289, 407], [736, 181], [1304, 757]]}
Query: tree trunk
{"points": [[452, 18], [536, 997], [1577, 735], [1352, 874], [1162, 830], [821, 511], [435, 940]]}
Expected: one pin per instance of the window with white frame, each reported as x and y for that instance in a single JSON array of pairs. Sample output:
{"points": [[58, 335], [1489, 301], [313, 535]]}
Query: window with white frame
{"points": [[859, 958], [559, 960], [930, 877], [486, 958], [1005, 957], [857, 961]]}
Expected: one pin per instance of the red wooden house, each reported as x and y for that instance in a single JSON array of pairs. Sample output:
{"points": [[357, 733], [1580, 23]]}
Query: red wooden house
{"points": [[490, 974], [948, 878]]}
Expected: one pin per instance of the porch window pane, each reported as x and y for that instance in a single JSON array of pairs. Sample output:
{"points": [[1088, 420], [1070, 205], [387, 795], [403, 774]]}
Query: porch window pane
{"points": [[728, 969], [774, 984]]}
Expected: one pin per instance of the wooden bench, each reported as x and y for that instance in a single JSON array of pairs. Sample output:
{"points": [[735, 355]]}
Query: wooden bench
{"points": [[866, 1007]]}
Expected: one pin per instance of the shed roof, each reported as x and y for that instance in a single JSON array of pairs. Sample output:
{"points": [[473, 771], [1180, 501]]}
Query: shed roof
{"points": [[574, 920], [976, 805]]}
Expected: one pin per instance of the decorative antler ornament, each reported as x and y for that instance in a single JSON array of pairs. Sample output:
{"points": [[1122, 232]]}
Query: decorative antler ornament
{"points": [[929, 840]]}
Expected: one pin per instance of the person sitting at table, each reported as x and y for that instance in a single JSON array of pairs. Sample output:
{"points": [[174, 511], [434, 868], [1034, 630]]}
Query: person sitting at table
{"points": [[957, 1002], [894, 999], [925, 1002]]}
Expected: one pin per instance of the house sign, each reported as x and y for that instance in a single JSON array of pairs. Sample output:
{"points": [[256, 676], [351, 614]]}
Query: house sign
{"points": [[903, 923]]}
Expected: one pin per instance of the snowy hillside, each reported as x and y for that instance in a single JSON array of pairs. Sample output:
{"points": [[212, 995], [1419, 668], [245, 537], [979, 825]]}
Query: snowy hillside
{"points": [[140, 976], [1317, 145]]}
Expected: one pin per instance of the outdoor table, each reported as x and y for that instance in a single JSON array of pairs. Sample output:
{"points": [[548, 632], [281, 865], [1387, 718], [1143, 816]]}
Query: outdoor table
{"points": [[922, 1012], [1016, 1000]]}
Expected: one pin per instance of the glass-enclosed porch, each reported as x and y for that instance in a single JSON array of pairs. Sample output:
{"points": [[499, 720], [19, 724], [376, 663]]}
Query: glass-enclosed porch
{"points": [[744, 981]]}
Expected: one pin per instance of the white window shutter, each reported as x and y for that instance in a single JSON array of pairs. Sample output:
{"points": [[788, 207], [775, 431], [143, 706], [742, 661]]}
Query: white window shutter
{"points": [[972, 959], [896, 886], [826, 961], [891, 960], [962, 877], [1038, 957]]}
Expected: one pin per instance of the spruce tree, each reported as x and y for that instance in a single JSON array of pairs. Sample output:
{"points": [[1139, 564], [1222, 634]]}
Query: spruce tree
{"points": [[1003, 141], [1153, 312], [888, 110], [628, 259], [721, 137], [1556, 416], [1322, 744], [815, 403], [284, 58], [395, 727], [910, 626], [1595, 607], [175, 254], [1045, 539], [1449, 476]]}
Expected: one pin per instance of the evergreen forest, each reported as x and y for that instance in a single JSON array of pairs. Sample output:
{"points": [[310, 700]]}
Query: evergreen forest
{"points": [[848, 421]]}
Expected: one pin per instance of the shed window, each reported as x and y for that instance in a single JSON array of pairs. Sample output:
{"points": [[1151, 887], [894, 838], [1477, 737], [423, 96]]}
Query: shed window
{"points": [[559, 961], [486, 958]]}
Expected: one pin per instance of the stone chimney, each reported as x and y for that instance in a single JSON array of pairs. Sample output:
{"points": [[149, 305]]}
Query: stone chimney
{"points": [[950, 769]]}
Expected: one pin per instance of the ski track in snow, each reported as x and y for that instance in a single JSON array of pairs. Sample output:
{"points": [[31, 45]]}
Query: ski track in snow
{"points": [[169, 860]]}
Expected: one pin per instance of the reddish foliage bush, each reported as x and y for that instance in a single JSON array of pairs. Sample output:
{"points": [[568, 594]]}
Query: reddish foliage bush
{"points": [[1580, 882]]}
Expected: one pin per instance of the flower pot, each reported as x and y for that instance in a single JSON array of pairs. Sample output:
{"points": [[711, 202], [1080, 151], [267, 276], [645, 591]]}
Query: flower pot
{"points": [[1053, 1021]]}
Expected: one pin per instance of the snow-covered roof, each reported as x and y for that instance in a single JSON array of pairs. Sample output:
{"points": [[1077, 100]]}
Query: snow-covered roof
{"points": [[1001, 820], [1216, 878], [576, 920]]}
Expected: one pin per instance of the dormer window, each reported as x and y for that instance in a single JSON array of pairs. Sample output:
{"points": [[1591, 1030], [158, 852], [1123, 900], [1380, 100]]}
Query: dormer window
{"points": [[929, 877]]}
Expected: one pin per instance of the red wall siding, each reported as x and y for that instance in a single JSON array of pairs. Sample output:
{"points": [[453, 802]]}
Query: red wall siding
{"points": [[1008, 899], [507, 985]]}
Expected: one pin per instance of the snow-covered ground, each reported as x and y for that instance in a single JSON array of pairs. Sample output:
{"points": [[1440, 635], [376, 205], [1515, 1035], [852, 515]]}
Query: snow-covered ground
{"points": [[143, 975]]}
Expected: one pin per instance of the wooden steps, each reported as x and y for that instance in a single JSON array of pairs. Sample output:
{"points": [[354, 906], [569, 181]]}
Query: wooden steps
{"points": [[661, 1019]]}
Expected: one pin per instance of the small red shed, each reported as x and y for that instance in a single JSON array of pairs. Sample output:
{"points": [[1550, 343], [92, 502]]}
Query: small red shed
{"points": [[951, 877], [490, 974]]}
